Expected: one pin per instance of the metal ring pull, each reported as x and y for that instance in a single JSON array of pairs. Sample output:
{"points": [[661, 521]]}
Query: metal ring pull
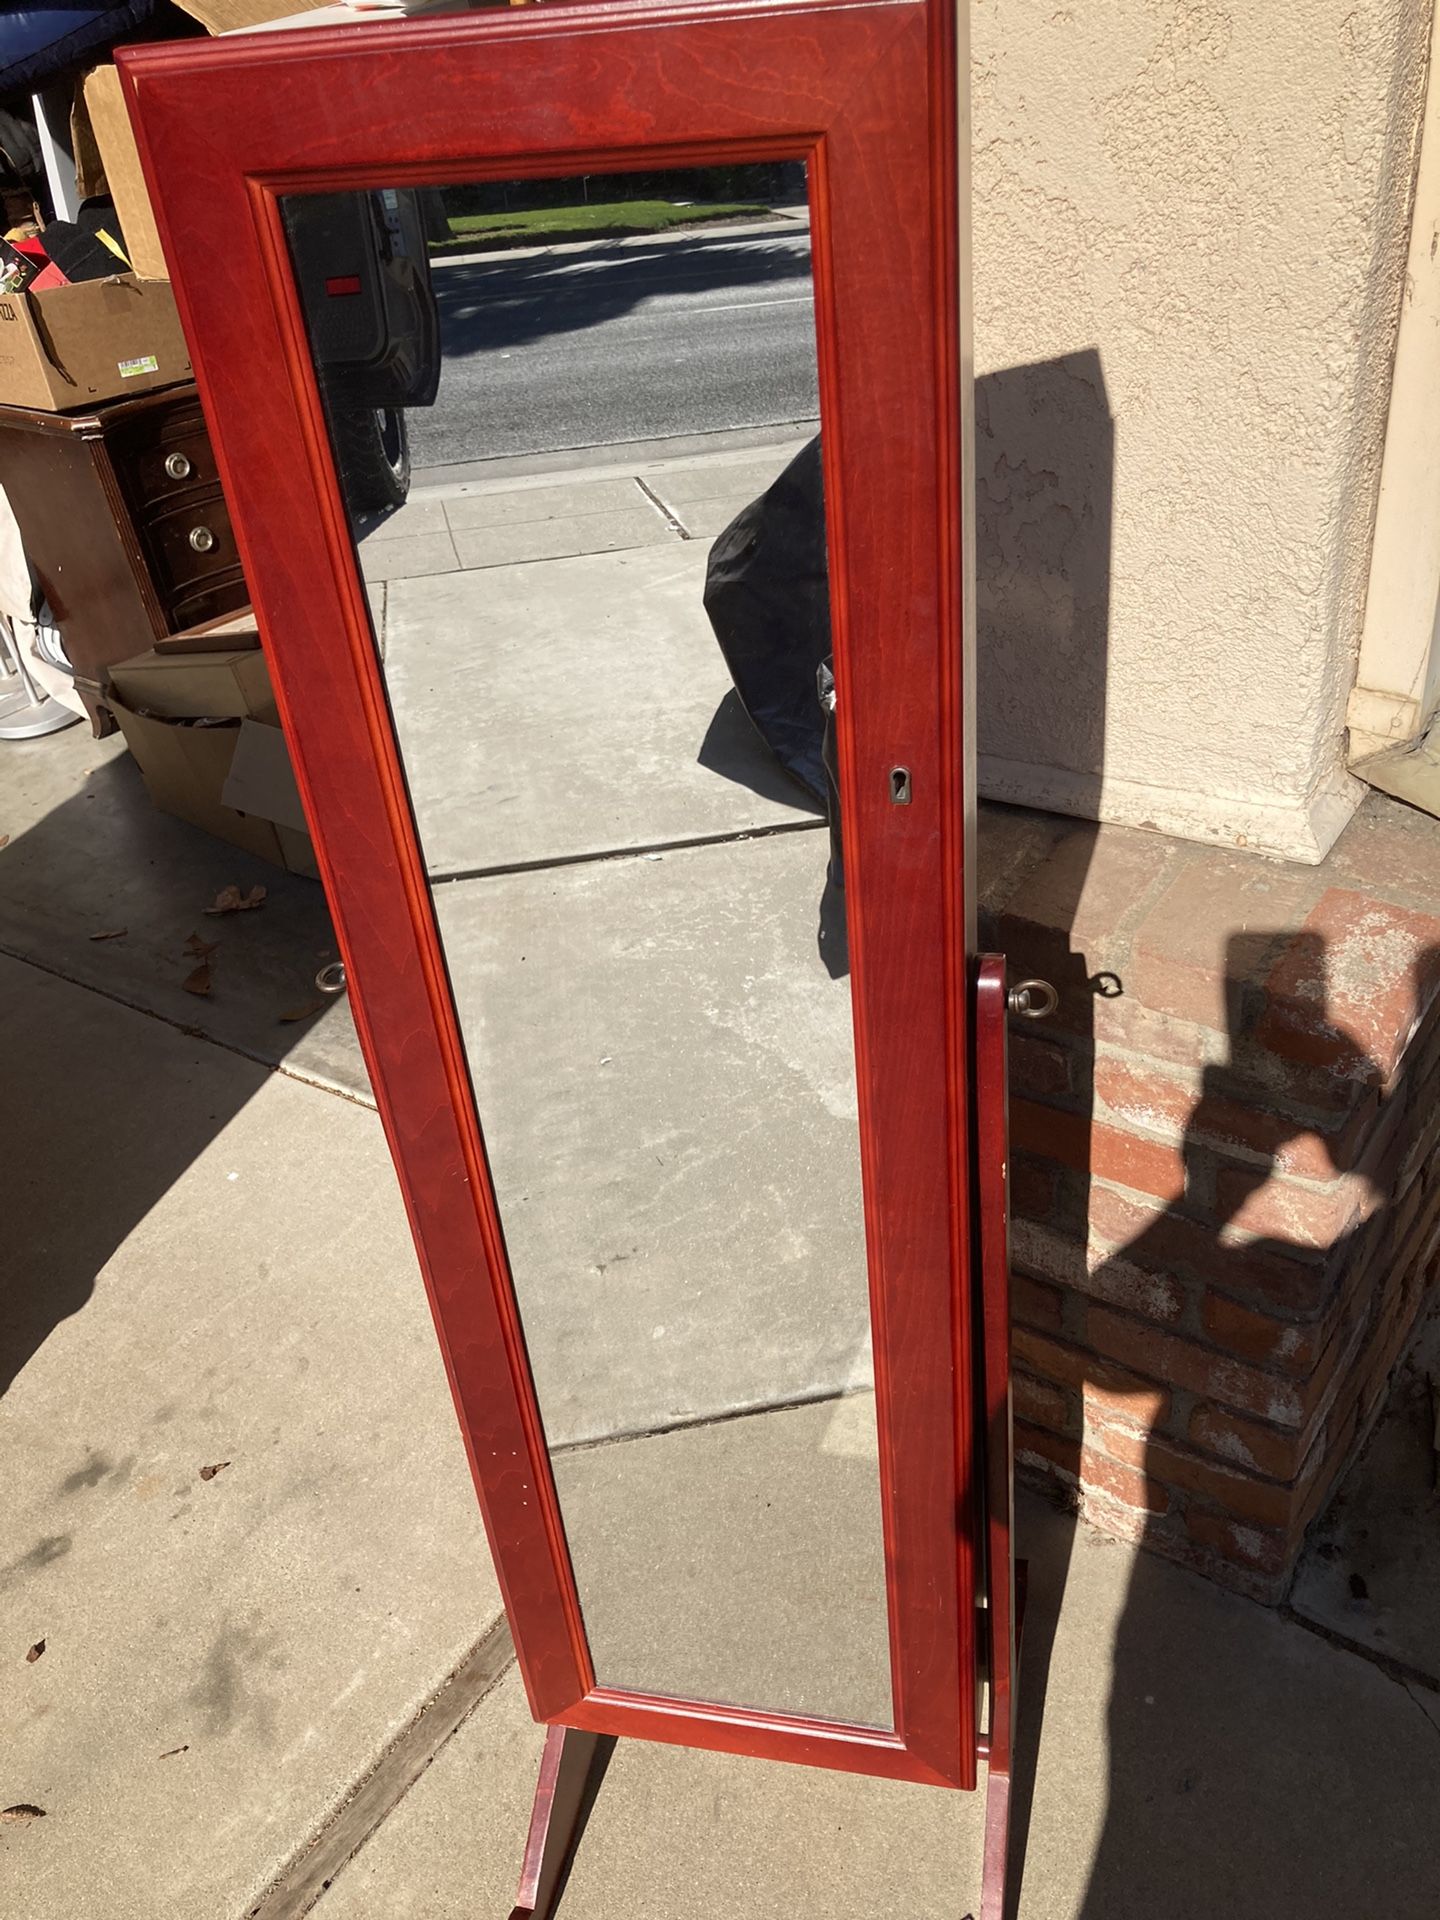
{"points": [[331, 978], [201, 539], [177, 466], [1032, 999]]}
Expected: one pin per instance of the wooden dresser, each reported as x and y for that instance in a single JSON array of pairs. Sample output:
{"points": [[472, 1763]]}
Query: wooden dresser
{"points": [[122, 516]]}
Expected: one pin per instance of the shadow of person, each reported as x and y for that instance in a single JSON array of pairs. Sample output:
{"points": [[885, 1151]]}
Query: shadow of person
{"points": [[1231, 1786]]}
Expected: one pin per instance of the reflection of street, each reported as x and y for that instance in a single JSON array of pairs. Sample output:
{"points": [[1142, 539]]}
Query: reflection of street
{"points": [[621, 340]]}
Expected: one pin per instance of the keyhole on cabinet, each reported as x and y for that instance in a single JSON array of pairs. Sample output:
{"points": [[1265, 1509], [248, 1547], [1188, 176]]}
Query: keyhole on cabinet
{"points": [[900, 786]]}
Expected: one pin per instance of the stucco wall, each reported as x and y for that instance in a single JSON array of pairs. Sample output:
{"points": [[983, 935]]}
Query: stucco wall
{"points": [[1190, 236]]}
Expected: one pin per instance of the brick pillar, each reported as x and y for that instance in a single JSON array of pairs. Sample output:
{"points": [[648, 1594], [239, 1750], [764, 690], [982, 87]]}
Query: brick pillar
{"points": [[1226, 1169]]}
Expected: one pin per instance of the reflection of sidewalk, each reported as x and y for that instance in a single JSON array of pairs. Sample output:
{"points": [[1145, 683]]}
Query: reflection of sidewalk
{"points": [[782, 220], [546, 508]]}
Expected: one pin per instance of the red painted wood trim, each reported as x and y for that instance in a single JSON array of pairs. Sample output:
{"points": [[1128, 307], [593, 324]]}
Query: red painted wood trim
{"points": [[993, 1154], [865, 92]]}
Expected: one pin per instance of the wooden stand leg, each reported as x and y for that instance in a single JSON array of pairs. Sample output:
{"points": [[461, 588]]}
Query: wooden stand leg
{"points": [[571, 1761], [1005, 1581], [994, 1883]]}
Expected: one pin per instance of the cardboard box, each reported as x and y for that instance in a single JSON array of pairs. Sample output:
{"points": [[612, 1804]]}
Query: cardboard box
{"points": [[226, 770], [261, 780], [196, 686], [114, 140], [70, 347]]}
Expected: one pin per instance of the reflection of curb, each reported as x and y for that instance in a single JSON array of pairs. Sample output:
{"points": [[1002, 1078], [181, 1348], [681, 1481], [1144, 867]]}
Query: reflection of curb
{"points": [[486, 243], [725, 445], [779, 224]]}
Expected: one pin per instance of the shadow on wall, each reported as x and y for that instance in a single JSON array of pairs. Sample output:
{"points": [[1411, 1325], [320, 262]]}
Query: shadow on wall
{"points": [[1179, 1837], [1044, 477]]}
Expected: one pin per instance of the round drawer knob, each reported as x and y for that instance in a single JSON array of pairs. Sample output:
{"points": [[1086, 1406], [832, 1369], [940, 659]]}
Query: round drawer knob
{"points": [[178, 466], [201, 539]]}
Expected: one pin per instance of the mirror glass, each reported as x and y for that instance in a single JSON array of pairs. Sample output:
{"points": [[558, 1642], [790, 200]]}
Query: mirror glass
{"points": [[575, 424]]}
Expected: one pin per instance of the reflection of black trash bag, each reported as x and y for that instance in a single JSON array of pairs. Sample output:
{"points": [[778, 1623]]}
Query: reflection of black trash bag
{"points": [[768, 598]]}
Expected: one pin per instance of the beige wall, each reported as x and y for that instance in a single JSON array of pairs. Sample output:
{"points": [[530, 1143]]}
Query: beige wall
{"points": [[1190, 238]]}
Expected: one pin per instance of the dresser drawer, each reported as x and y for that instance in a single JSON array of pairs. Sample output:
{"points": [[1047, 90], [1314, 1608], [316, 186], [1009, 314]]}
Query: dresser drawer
{"points": [[164, 458], [193, 561], [180, 462]]}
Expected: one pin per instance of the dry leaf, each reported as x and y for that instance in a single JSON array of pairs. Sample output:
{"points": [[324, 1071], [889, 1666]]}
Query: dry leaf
{"points": [[114, 933], [22, 1810], [4, 839], [209, 1473], [202, 979], [231, 900], [170, 1752], [35, 1652], [304, 1013]]}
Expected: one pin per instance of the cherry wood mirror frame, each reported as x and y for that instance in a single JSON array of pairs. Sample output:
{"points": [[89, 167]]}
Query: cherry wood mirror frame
{"points": [[864, 91]]}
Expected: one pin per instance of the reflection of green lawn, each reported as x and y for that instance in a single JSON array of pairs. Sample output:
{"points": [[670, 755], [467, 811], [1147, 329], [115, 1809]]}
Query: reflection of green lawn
{"points": [[580, 223]]}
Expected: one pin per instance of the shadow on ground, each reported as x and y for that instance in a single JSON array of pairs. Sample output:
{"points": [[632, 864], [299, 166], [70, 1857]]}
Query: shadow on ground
{"points": [[100, 889]]}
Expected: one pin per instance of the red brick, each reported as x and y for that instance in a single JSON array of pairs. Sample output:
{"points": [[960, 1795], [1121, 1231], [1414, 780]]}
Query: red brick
{"points": [[1137, 1402], [1243, 1495], [1320, 1474], [1132, 1488], [1119, 1221], [1035, 1304], [1043, 1405], [1406, 1210], [1248, 1443], [1346, 991], [1093, 1271], [1249, 1546], [1257, 1336], [1009, 843], [1090, 885], [1311, 1216], [1389, 849], [1142, 1095], [1035, 1446], [1188, 960], [1117, 1440], [1125, 1025], [1073, 1367], [1108, 1152], [1344, 1353], [1038, 1066], [1068, 920], [1179, 1362], [1034, 1187], [1130, 1161], [1424, 1134], [1294, 1278], [1122, 1023]]}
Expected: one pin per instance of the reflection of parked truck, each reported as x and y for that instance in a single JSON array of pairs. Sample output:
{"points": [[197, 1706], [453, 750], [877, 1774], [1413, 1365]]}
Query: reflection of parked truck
{"points": [[363, 270]]}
